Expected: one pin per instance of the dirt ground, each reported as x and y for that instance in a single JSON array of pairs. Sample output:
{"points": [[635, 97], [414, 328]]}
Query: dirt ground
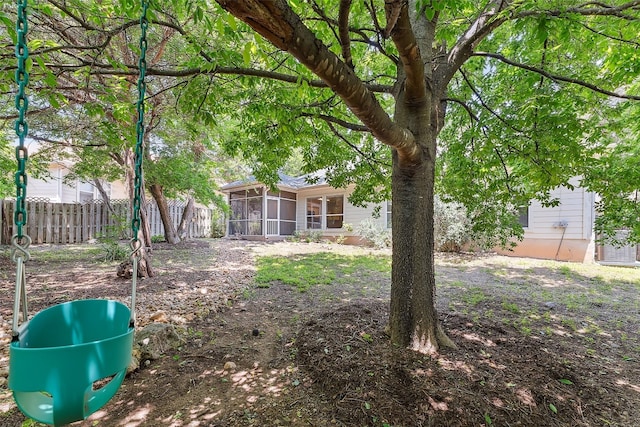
{"points": [[528, 354]]}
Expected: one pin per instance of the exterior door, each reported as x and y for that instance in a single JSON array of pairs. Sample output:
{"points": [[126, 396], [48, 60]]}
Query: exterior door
{"points": [[273, 219]]}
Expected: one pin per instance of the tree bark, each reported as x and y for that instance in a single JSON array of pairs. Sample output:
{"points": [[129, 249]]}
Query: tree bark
{"points": [[170, 234], [145, 268], [105, 198], [413, 317], [187, 215]]}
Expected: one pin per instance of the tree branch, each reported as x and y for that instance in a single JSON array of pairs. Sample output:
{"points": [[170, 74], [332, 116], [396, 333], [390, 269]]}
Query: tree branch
{"points": [[343, 31], [132, 70], [275, 21], [481, 27], [557, 77], [392, 8], [330, 119], [489, 109], [370, 160], [599, 9], [404, 39], [464, 105], [618, 39]]}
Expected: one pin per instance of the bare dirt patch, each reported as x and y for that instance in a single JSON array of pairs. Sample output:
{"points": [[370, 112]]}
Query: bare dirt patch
{"points": [[539, 344]]}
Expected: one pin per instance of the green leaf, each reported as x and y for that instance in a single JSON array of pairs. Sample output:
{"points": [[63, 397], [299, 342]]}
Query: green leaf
{"points": [[231, 21], [487, 420], [246, 54], [565, 381], [430, 12], [553, 408]]}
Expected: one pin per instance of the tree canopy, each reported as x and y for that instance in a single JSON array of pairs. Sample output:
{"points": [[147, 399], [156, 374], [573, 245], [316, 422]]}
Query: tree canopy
{"points": [[490, 104]]}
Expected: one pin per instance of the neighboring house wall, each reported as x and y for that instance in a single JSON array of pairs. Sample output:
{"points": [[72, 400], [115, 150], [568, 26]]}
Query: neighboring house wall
{"points": [[56, 190], [564, 232]]}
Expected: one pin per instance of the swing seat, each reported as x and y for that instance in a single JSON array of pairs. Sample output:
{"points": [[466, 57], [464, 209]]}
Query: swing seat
{"points": [[62, 351]]}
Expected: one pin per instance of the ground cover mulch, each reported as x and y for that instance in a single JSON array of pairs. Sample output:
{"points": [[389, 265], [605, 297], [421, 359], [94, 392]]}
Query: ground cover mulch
{"points": [[275, 356]]}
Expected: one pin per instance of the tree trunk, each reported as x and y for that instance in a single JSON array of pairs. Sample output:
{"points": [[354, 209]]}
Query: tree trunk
{"points": [[187, 216], [145, 268], [413, 316], [170, 234], [103, 194]]}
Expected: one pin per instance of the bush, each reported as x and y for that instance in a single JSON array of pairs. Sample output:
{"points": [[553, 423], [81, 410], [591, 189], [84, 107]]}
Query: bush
{"points": [[157, 238], [371, 231], [307, 236], [341, 238], [452, 227], [218, 223], [114, 251]]}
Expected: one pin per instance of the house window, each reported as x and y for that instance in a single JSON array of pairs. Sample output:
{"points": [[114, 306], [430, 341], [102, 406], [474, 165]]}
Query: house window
{"points": [[523, 216], [389, 214], [314, 212], [325, 212], [335, 211], [85, 192]]}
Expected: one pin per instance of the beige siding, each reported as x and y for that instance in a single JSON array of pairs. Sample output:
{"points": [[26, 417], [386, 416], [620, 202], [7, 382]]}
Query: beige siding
{"points": [[352, 214], [547, 238], [575, 210], [119, 191]]}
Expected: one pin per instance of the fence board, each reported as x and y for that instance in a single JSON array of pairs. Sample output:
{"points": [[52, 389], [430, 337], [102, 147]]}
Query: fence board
{"points": [[61, 223]]}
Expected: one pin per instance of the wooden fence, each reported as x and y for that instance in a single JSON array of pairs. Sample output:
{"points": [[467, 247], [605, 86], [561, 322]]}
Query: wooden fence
{"points": [[61, 223]]}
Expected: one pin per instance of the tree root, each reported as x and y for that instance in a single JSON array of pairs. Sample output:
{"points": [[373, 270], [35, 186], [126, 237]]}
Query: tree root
{"points": [[442, 338]]}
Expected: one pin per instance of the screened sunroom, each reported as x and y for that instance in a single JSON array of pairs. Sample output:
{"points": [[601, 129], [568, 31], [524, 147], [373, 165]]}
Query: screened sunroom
{"points": [[259, 212]]}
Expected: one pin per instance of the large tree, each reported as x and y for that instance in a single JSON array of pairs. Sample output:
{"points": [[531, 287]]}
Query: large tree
{"points": [[540, 57]]}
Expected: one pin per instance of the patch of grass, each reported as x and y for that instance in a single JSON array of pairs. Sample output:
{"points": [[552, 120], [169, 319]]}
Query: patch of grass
{"points": [[474, 296], [68, 253], [306, 271], [511, 306], [566, 271]]}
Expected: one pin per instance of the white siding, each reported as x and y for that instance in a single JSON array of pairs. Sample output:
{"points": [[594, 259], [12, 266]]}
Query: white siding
{"points": [[575, 210], [54, 189], [69, 194], [51, 188]]}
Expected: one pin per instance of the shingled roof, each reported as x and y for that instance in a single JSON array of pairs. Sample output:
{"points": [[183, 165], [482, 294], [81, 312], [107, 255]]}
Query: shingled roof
{"points": [[296, 183]]}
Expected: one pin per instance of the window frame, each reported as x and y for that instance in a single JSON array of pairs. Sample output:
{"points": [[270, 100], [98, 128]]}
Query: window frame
{"points": [[324, 215], [524, 212]]}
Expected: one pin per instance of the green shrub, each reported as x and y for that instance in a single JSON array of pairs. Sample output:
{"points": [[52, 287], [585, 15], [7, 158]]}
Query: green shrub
{"points": [[371, 231], [158, 238], [306, 236], [452, 227], [113, 251]]}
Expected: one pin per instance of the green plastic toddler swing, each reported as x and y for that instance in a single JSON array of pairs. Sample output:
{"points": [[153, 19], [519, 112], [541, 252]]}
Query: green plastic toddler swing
{"points": [[70, 359]]}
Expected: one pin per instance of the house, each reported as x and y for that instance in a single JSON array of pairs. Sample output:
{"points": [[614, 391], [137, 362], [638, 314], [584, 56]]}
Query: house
{"points": [[262, 214], [564, 232], [54, 188]]}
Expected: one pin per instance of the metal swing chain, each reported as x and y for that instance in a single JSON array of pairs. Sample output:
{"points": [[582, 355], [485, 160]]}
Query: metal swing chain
{"points": [[21, 242], [21, 127], [142, 86], [136, 245]]}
